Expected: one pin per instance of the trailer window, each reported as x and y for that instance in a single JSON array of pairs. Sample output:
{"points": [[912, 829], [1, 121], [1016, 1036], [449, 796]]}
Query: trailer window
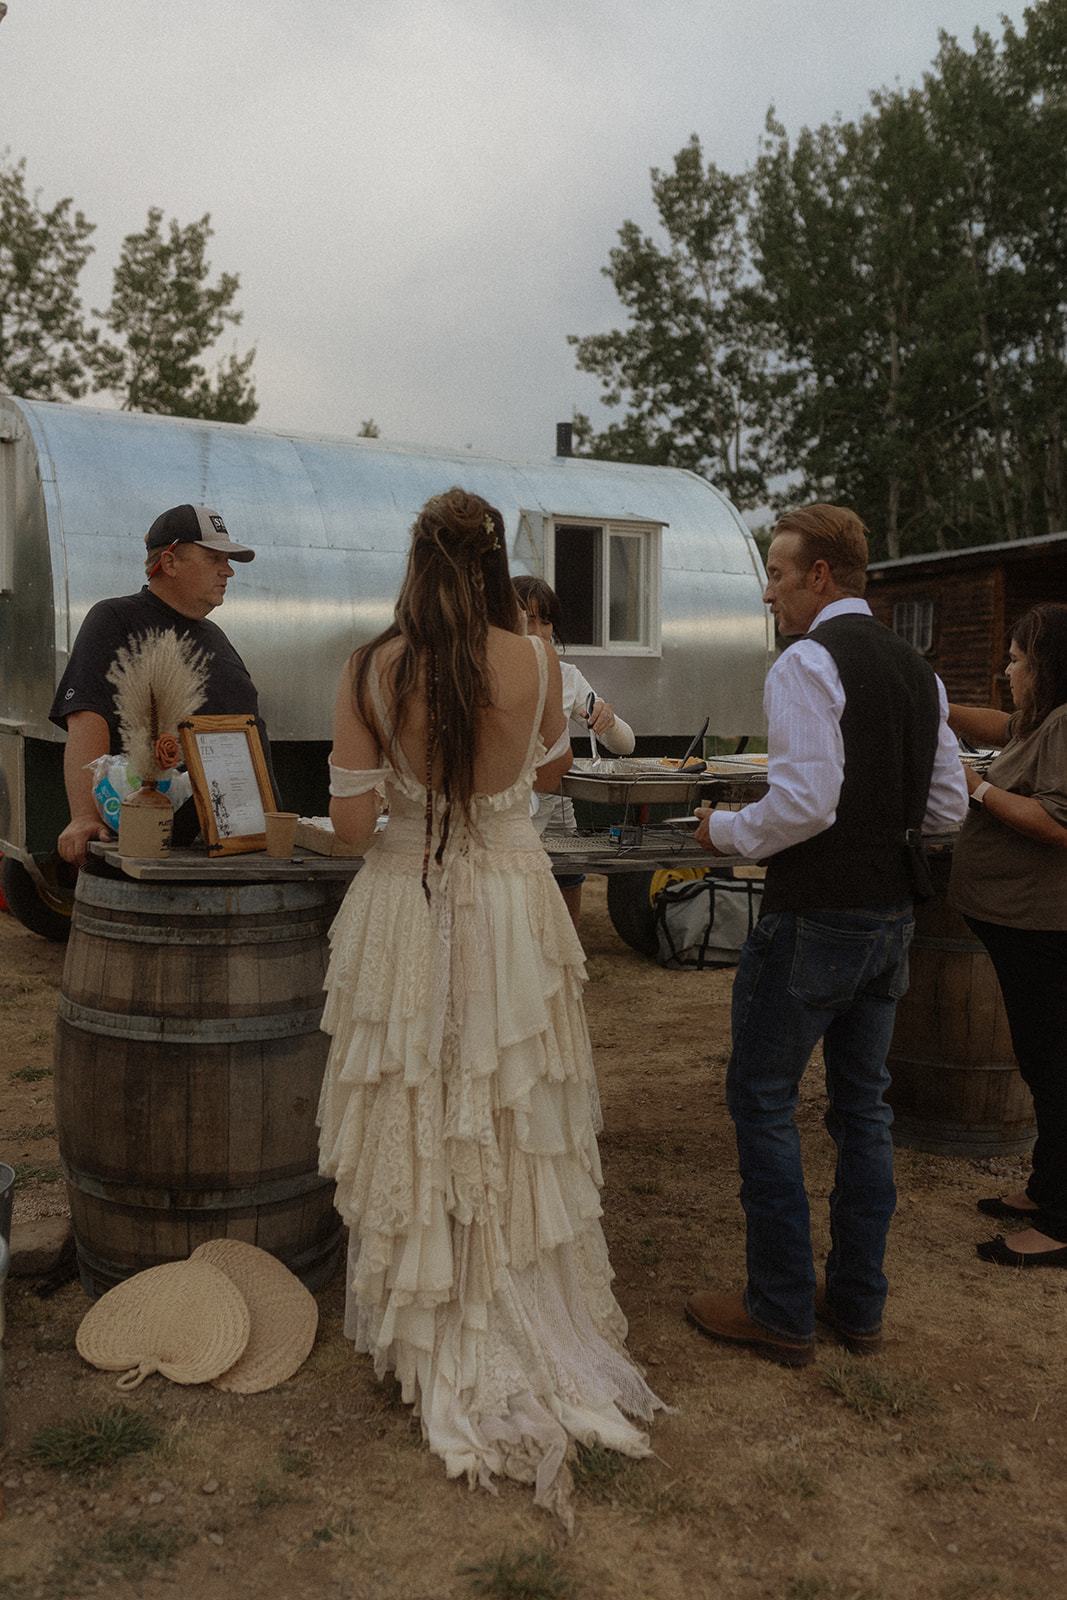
{"points": [[7, 515], [607, 578]]}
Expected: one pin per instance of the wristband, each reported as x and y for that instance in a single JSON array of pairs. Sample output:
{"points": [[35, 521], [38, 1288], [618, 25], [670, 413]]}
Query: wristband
{"points": [[978, 795]]}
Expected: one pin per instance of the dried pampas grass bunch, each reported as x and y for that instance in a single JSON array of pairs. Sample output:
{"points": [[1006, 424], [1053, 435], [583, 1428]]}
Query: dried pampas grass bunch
{"points": [[159, 679]]}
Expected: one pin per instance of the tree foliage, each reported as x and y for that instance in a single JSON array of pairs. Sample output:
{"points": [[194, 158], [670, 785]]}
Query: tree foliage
{"points": [[877, 310], [165, 311], [168, 316], [44, 345], [695, 362]]}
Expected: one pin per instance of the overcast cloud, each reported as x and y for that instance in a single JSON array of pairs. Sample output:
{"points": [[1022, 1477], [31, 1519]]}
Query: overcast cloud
{"points": [[419, 195]]}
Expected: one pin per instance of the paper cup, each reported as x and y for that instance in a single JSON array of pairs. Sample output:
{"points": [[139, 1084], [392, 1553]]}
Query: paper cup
{"points": [[281, 832]]}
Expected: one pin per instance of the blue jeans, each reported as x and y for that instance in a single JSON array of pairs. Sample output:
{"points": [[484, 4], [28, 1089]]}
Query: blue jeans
{"points": [[805, 976]]}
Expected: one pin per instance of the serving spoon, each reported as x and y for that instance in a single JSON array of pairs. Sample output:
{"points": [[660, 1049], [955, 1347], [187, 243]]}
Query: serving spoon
{"points": [[590, 702], [697, 740]]}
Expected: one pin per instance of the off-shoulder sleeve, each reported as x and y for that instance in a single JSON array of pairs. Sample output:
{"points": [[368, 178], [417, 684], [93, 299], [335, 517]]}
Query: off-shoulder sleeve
{"points": [[344, 783]]}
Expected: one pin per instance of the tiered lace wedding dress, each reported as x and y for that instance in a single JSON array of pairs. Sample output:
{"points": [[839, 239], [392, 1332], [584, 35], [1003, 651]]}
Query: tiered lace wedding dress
{"points": [[459, 1115]]}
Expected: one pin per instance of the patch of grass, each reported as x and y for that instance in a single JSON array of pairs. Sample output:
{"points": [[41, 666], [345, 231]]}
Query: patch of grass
{"points": [[340, 1529], [958, 1472], [651, 1254], [39, 1130], [266, 1497], [530, 1574], [874, 1392], [674, 1500], [600, 1473], [793, 1478], [29, 1074], [135, 1546], [91, 1440], [647, 1186], [28, 1175], [297, 1463]]}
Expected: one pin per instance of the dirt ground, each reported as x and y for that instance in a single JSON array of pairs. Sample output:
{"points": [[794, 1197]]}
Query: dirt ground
{"points": [[936, 1472]]}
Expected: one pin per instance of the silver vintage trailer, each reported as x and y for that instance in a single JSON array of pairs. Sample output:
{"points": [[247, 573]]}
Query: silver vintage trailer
{"points": [[659, 575]]}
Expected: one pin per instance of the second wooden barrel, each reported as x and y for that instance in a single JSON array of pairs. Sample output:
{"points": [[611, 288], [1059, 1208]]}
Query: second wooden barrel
{"points": [[956, 1088], [188, 1063]]}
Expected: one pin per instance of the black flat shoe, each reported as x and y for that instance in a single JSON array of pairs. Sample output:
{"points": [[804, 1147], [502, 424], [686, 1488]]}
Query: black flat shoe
{"points": [[996, 1207], [1004, 1256]]}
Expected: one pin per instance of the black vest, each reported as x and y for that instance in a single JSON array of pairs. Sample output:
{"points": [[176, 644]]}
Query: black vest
{"points": [[889, 726]]}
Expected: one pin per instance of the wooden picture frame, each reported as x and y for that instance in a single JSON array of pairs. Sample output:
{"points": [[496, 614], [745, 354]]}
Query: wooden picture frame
{"points": [[231, 784]]}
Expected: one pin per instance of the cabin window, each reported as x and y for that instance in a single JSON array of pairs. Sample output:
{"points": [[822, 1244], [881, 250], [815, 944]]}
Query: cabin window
{"points": [[914, 621], [607, 577]]}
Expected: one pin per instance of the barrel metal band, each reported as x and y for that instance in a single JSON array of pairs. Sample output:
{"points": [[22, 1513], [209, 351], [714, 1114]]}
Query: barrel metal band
{"points": [[158, 1199], [156, 933], [189, 1030]]}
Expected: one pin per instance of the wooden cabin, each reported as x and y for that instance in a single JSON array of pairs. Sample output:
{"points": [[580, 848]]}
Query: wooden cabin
{"points": [[957, 607]]}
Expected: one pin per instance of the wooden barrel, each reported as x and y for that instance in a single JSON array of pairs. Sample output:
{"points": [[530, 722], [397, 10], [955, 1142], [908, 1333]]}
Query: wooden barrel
{"points": [[956, 1088], [188, 1062]]}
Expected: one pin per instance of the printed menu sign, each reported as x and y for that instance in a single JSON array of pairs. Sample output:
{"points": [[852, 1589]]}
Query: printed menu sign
{"points": [[231, 783]]}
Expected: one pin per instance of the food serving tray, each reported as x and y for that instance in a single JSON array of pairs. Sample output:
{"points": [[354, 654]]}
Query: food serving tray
{"points": [[629, 780]]}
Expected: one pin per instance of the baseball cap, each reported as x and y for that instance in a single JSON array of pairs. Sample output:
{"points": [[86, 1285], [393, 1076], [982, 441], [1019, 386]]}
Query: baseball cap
{"points": [[195, 525]]}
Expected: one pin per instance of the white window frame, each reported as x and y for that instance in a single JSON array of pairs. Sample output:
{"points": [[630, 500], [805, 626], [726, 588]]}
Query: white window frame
{"points": [[650, 535], [7, 514], [914, 621]]}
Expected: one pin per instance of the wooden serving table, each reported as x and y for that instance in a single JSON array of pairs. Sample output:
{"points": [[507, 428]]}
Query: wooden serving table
{"points": [[633, 845]]}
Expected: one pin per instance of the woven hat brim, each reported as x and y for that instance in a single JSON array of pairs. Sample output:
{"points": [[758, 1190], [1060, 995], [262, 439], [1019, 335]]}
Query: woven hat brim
{"points": [[284, 1315], [184, 1319]]}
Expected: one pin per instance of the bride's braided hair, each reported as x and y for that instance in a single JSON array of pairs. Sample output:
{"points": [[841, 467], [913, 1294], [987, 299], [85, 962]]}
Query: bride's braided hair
{"points": [[456, 586]]}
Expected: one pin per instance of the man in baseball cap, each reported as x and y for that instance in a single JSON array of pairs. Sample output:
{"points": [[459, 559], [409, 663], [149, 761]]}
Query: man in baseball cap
{"points": [[195, 525], [188, 552]]}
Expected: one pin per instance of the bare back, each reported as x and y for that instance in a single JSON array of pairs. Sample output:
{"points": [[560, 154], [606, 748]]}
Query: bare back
{"points": [[506, 726]]}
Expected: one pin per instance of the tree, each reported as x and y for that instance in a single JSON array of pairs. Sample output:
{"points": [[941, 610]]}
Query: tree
{"points": [[695, 364], [865, 276], [877, 310], [44, 344], [169, 316]]}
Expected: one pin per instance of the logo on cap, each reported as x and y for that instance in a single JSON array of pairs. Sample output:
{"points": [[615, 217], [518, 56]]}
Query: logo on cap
{"points": [[217, 523]]}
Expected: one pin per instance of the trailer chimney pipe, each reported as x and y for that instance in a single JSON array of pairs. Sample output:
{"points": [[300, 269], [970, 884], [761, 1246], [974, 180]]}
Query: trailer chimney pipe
{"points": [[564, 438]]}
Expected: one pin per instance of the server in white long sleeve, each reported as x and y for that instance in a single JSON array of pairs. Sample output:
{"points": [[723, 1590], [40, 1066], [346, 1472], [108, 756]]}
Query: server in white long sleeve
{"points": [[860, 763], [555, 813]]}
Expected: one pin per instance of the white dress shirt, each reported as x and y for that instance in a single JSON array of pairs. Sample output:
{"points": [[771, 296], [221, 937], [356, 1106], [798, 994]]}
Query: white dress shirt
{"points": [[803, 698]]}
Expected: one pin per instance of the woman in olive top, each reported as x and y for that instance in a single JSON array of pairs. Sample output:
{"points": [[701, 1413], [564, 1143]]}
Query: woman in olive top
{"points": [[1009, 879]]}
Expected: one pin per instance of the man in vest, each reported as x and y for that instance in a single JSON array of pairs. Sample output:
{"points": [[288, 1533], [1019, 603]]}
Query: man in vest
{"points": [[860, 763]]}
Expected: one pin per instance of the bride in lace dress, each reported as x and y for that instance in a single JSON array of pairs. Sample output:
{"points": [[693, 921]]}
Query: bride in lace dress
{"points": [[459, 1109]]}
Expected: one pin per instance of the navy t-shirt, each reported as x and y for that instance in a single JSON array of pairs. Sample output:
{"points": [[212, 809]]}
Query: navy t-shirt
{"points": [[112, 625]]}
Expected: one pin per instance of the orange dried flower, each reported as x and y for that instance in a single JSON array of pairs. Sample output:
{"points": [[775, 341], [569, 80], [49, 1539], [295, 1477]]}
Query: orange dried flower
{"points": [[168, 752]]}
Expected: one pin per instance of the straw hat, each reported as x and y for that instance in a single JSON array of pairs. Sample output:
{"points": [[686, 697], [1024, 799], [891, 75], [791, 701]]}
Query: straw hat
{"points": [[283, 1313], [185, 1319]]}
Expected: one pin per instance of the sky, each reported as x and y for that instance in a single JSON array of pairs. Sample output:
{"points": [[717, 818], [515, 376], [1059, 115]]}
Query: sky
{"points": [[419, 195]]}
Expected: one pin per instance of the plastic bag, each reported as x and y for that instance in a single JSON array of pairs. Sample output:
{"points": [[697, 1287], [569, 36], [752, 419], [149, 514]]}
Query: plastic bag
{"points": [[114, 781]]}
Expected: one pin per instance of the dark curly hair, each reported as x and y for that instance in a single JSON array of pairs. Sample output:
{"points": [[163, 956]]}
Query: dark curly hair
{"points": [[456, 586], [1041, 634]]}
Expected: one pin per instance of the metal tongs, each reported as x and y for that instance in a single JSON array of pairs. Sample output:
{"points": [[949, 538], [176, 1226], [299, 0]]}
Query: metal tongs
{"points": [[702, 765], [590, 702]]}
